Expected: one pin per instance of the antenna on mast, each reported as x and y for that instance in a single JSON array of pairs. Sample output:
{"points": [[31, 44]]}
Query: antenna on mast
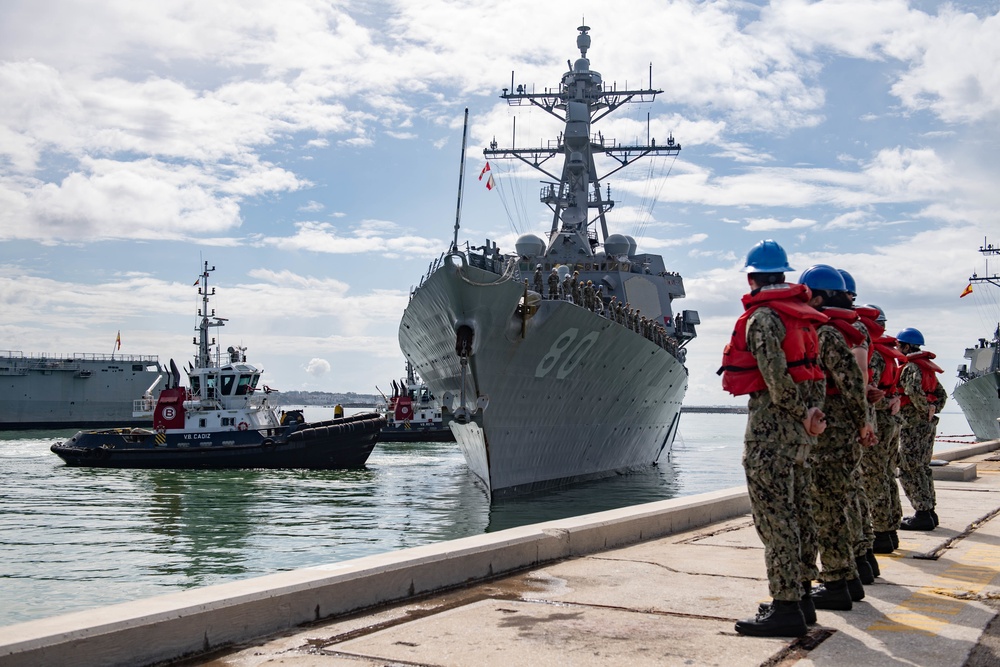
{"points": [[461, 180]]}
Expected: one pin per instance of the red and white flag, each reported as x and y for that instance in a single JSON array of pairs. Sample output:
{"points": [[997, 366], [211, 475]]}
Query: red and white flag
{"points": [[485, 169], [489, 182]]}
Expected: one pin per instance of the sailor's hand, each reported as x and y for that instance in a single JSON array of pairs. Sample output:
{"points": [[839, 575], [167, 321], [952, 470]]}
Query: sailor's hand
{"points": [[874, 394], [867, 436], [894, 405], [815, 421], [930, 413]]}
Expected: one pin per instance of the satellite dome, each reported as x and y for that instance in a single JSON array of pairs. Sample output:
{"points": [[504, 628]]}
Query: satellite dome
{"points": [[616, 245], [631, 245], [529, 245]]}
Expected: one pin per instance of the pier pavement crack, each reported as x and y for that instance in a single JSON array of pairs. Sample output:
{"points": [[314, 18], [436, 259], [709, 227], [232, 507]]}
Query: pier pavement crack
{"points": [[676, 571], [721, 531], [367, 658], [800, 648], [950, 543]]}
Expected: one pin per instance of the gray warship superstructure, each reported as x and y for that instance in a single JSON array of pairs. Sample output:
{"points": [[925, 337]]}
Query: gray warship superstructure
{"points": [[72, 390], [978, 388], [549, 389]]}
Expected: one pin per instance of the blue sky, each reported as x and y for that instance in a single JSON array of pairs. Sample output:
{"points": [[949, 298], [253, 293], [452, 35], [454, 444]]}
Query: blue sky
{"points": [[310, 151]]}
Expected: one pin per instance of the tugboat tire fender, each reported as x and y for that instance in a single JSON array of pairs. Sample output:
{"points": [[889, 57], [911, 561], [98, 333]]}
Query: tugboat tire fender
{"points": [[267, 442]]}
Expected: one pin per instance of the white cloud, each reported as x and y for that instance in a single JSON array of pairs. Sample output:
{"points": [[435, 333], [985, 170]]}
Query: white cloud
{"points": [[318, 367]]}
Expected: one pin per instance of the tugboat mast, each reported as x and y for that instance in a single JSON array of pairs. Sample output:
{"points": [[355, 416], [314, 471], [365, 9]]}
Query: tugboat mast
{"points": [[581, 101], [208, 320]]}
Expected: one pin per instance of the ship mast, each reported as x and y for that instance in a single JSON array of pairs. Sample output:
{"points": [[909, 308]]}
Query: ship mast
{"points": [[208, 320], [581, 100], [988, 250]]}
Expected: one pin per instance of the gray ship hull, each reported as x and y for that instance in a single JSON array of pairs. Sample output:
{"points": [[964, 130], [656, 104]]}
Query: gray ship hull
{"points": [[979, 399], [577, 397], [82, 391]]}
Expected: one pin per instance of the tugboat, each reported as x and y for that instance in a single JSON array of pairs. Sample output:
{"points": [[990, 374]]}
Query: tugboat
{"points": [[222, 420], [978, 388], [556, 386], [413, 414]]}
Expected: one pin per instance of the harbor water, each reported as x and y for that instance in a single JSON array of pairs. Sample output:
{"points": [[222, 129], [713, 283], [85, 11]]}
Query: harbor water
{"points": [[77, 538]]}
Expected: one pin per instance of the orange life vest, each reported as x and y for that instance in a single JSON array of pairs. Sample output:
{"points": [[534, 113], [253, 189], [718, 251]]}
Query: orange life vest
{"points": [[739, 371], [843, 320], [928, 379], [888, 382]]}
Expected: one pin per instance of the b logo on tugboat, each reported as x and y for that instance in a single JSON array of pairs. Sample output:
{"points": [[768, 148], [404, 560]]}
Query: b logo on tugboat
{"points": [[169, 413]]}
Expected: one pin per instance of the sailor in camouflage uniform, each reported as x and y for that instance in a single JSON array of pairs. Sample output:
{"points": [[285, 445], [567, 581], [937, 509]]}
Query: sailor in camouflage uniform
{"points": [[838, 450], [538, 279], [922, 398], [554, 283], [772, 357], [859, 507], [880, 462]]}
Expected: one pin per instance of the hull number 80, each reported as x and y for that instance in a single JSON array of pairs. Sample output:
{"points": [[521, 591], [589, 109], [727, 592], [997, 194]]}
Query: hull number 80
{"points": [[565, 353]]}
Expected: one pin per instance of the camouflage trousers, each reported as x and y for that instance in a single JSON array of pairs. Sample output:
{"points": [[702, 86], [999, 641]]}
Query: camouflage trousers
{"points": [[780, 502], [859, 511], [916, 444], [835, 503], [878, 470]]}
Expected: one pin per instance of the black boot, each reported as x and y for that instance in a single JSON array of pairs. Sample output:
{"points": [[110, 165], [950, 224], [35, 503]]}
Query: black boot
{"points": [[883, 544], [922, 520], [782, 618], [870, 556], [856, 590], [864, 570], [935, 517], [832, 595], [894, 536], [805, 604]]}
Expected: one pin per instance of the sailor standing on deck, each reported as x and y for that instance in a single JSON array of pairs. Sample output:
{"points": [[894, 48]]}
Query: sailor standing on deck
{"points": [[861, 516], [538, 279], [554, 284], [879, 463], [772, 358], [838, 450], [922, 398]]}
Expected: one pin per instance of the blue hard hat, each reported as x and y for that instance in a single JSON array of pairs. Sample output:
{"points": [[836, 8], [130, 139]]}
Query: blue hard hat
{"points": [[911, 336], [848, 281], [824, 277], [881, 313], [767, 257]]}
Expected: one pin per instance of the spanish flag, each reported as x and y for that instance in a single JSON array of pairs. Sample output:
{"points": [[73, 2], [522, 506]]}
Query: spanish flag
{"points": [[966, 292]]}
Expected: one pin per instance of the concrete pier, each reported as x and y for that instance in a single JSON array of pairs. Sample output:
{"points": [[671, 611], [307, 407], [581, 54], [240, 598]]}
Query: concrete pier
{"points": [[657, 584]]}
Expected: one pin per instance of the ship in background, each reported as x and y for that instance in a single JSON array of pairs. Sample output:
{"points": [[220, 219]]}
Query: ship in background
{"points": [[978, 388], [73, 390], [413, 413], [551, 389]]}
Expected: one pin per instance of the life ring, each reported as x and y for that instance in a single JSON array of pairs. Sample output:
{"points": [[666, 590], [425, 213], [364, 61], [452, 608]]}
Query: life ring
{"points": [[243, 426]]}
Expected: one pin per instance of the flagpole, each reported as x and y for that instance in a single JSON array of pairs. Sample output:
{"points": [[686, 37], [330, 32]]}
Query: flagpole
{"points": [[461, 180]]}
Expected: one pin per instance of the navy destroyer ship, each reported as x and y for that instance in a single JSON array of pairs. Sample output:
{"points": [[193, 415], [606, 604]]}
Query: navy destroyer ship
{"points": [[77, 390], [978, 388], [549, 387]]}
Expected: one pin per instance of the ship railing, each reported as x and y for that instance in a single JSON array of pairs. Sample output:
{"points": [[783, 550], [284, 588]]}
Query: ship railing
{"points": [[143, 407], [77, 356]]}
